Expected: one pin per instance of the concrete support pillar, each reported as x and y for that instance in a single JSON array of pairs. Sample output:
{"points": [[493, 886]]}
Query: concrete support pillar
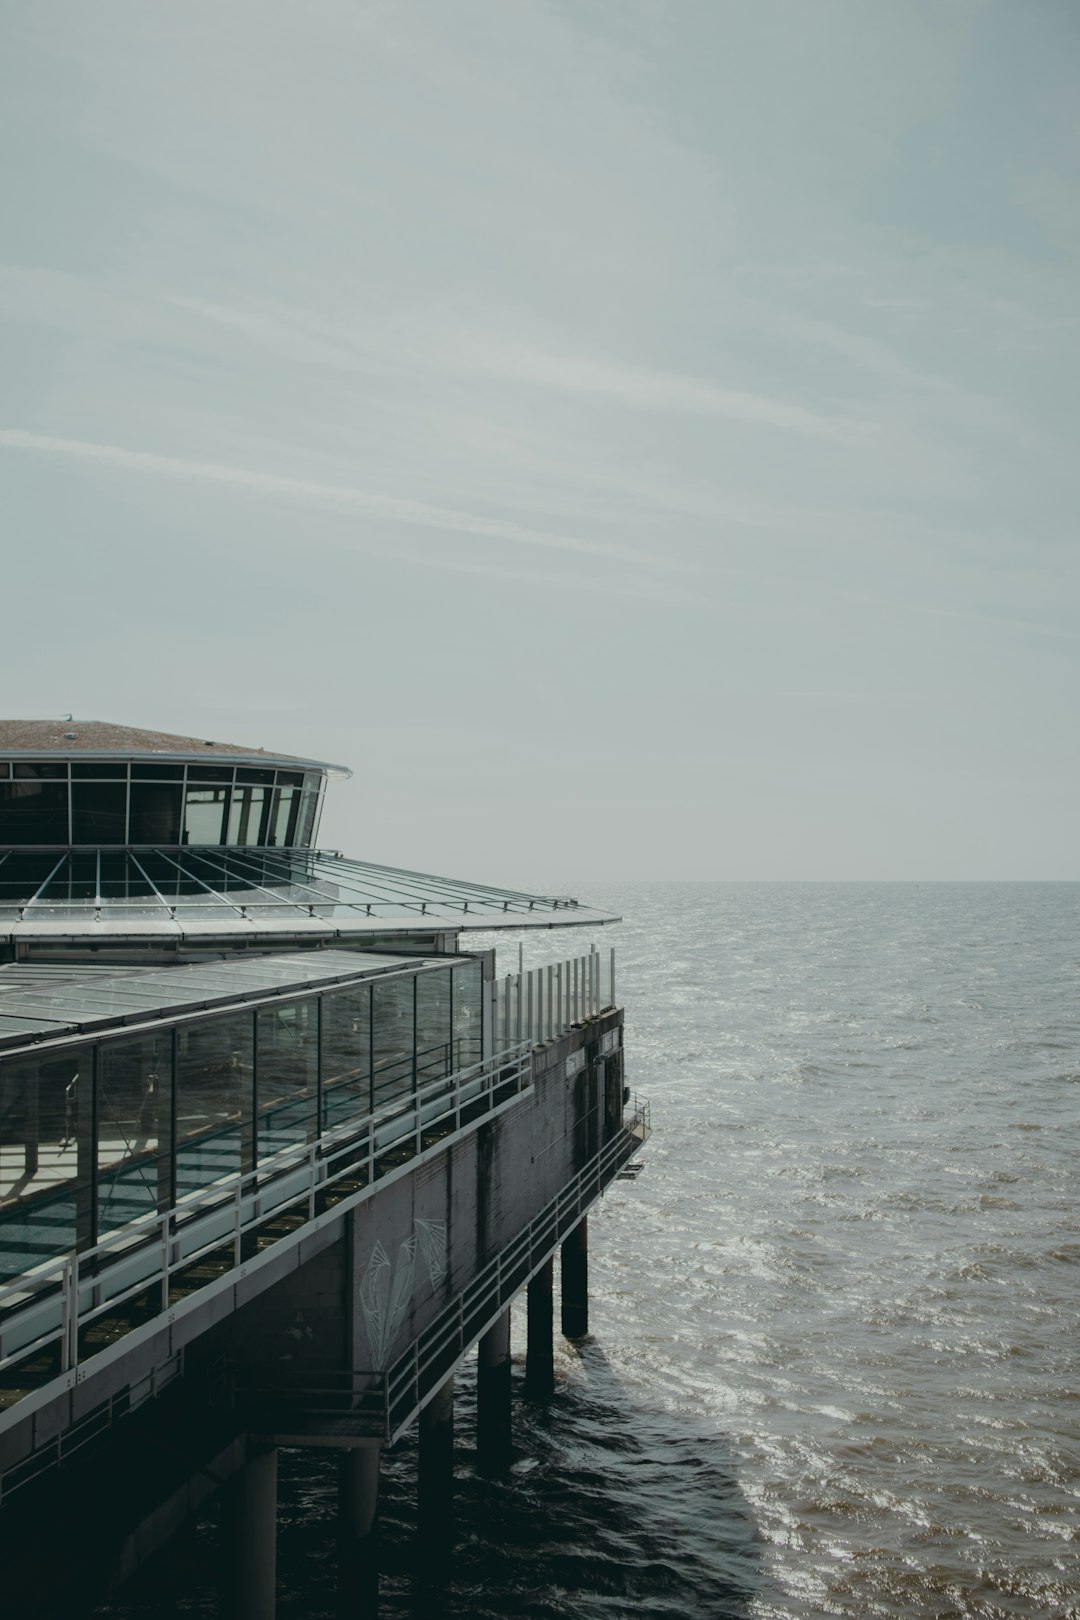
{"points": [[493, 1429], [540, 1353], [250, 1538], [435, 1492], [358, 1532], [575, 1281]]}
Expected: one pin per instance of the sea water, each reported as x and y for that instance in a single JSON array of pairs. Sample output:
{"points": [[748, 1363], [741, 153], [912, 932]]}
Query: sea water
{"points": [[833, 1364]]}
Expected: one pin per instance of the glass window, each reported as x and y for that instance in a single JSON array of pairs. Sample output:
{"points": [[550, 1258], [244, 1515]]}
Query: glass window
{"points": [[33, 812], [249, 806], [290, 778], [346, 1055], [45, 1107], [283, 816], [154, 813], [210, 773], [134, 1101], [392, 1034], [247, 773], [468, 983], [287, 1053], [98, 812], [5, 769], [305, 826], [213, 1101], [158, 773], [433, 1028], [204, 815], [40, 769], [98, 771]]}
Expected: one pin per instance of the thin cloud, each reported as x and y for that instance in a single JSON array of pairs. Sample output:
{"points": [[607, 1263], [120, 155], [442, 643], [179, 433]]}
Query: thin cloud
{"points": [[341, 497], [635, 386]]}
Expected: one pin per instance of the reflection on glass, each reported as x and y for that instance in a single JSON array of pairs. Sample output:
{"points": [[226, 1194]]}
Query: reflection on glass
{"points": [[154, 814], [468, 980], [134, 1101], [42, 1102], [346, 1055], [213, 1100], [33, 812], [286, 1071], [392, 1037], [249, 802], [433, 1026], [204, 814], [98, 812]]}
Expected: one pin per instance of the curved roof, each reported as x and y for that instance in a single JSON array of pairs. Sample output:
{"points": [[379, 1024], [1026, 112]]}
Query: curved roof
{"points": [[103, 740], [206, 892]]}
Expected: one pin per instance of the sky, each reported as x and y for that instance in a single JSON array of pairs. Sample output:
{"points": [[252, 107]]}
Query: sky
{"points": [[639, 437]]}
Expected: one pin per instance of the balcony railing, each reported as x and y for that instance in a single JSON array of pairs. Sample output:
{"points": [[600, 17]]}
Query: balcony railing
{"points": [[64, 1311], [535, 1006]]}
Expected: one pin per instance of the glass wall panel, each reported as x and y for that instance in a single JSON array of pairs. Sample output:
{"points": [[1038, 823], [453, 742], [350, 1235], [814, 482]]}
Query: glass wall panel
{"points": [[204, 815], [99, 771], [305, 826], [98, 812], [433, 1027], [214, 1086], [346, 1055], [392, 1034], [154, 813], [468, 981], [42, 1100], [287, 1066], [283, 815], [33, 812], [134, 1104], [250, 803]]}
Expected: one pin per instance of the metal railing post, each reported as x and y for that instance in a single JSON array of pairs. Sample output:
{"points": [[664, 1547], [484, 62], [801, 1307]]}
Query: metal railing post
{"points": [[611, 979], [560, 1022], [550, 983]]}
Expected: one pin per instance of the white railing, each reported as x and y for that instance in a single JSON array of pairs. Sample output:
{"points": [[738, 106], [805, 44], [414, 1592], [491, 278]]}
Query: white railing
{"points": [[535, 1006], [56, 1302]]}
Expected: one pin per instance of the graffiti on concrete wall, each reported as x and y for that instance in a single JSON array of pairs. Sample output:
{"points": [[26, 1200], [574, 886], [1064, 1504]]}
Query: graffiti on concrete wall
{"points": [[388, 1286]]}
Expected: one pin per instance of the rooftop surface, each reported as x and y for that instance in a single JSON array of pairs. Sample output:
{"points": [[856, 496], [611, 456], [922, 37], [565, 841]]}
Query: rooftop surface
{"points": [[37, 1004], [103, 737], [194, 892]]}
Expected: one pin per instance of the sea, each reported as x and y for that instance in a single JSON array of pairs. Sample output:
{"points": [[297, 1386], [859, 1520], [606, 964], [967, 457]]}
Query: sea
{"points": [[834, 1365]]}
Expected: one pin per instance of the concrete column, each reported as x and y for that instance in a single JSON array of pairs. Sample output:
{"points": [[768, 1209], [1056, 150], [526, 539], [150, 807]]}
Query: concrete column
{"points": [[250, 1537], [358, 1532], [575, 1281], [435, 1484], [540, 1353], [493, 1430]]}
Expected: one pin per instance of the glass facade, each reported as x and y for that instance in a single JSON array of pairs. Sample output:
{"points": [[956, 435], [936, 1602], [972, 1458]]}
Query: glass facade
{"points": [[113, 804], [97, 1134]]}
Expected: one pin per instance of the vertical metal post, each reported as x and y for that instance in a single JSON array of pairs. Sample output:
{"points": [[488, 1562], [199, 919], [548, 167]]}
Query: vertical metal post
{"points": [[529, 993], [506, 1013], [611, 981], [519, 1008], [521, 958], [550, 984], [560, 1022]]}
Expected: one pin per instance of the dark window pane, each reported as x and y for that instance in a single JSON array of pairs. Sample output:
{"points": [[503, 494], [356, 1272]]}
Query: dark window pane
{"points": [[210, 773], [41, 1103], [158, 773], [246, 773], [392, 1037], [290, 778], [346, 1055], [286, 1068], [154, 816], [204, 815], [213, 1100], [98, 812], [305, 827], [99, 772], [5, 769], [33, 813], [45, 769], [134, 1096]]}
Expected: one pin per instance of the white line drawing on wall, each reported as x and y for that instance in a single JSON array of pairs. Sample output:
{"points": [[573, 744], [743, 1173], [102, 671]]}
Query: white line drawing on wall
{"points": [[432, 1235], [384, 1297]]}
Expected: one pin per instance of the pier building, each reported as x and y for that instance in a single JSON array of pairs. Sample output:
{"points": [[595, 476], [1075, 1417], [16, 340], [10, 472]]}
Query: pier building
{"points": [[277, 1150]]}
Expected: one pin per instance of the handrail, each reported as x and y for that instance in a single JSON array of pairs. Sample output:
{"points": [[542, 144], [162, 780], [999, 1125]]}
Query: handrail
{"points": [[75, 1289]]}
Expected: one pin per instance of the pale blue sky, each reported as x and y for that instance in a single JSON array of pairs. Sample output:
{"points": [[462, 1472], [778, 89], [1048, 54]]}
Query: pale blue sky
{"points": [[639, 436]]}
